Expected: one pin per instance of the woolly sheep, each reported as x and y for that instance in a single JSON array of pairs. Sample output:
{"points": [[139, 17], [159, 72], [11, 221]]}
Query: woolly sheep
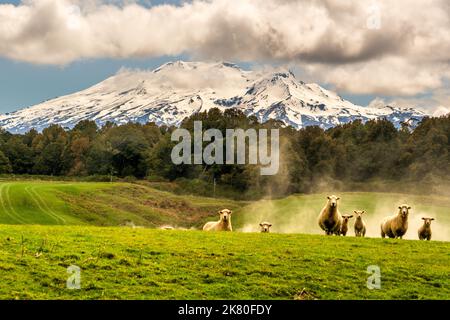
{"points": [[360, 225], [344, 226], [330, 219], [397, 225], [265, 227], [224, 223], [425, 230]]}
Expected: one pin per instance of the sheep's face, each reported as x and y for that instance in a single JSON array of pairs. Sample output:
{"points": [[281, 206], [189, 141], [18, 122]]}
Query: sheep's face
{"points": [[225, 215], [346, 218], [404, 210], [265, 227], [427, 221], [359, 214], [333, 201]]}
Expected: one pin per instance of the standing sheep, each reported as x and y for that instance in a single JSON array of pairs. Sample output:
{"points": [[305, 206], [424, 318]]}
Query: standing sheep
{"points": [[425, 229], [265, 227], [330, 219], [224, 224], [344, 226], [360, 225], [397, 225]]}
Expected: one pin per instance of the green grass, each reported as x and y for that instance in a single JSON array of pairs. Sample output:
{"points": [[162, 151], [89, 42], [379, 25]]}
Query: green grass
{"points": [[47, 226], [102, 204], [125, 263]]}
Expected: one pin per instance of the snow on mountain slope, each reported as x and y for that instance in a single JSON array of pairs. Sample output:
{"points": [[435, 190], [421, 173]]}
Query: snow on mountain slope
{"points": [[176, 90]]}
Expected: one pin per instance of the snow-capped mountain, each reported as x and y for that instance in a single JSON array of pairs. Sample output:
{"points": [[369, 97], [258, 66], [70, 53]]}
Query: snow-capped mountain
{"points": [[176, 90]]}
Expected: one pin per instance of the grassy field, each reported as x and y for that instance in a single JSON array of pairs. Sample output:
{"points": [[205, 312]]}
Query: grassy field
{"points": [[126, 263], [46, 227], [102, 204]]}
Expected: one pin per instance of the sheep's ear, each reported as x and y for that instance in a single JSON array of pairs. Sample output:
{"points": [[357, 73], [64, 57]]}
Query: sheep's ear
{"points": [[350, 216], [328, 198], [400, 207], [354, 211], [432, 219], [338, 198], [271, 224], [363, 211], [409, 208], [424, 218], [260, 224]]}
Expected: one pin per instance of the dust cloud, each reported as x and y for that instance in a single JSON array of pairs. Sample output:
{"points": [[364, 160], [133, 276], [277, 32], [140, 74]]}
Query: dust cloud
{"points": [[299, 213]]}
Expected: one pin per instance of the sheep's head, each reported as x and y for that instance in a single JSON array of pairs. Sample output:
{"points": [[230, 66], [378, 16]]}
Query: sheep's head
{"points": [[225, 215], [346, 218], [359, 214], [427, 221], [332, 201], [265, 227], [404, 210]]}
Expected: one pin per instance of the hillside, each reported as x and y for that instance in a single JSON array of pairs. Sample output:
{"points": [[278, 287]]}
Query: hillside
{"points": [[114, 204], [119, 262], [124, 263], [102, 204], [177, 90]]}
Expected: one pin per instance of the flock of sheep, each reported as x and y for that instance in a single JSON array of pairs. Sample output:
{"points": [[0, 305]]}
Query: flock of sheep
{"points": [[333, 223]]}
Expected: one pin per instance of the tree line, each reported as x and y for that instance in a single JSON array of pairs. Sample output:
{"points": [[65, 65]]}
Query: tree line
{"points": [[355, 152]]}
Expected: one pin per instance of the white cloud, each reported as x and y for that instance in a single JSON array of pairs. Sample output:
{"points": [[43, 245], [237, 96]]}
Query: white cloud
{"points": [[360, 46], [384, 76], [436, 103]]}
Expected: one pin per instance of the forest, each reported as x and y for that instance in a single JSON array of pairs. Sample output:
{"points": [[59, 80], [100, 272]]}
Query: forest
{"points": [[354, 154]]}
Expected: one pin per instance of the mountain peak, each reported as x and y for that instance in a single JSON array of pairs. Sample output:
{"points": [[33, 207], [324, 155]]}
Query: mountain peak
{"points": [[178, 89], [191, 65]]}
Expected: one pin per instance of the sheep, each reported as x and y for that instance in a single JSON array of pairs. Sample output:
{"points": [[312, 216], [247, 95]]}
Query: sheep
{"points": [[265, 227], [167, 228], [224, 224], [397, 225], [330, 219], [425, 230], [360, 225], [344, 226]]}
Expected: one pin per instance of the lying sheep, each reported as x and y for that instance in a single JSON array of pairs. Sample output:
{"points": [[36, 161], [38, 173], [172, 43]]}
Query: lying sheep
{"points": [[224, 224], [344, 226], [425, 229], [397, 225], [167, 228], [360, 226], [265, 227], [330, 220]]}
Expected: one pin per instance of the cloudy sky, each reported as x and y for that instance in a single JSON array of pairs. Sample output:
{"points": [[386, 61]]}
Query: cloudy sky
{"points": [[369, 51]]}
